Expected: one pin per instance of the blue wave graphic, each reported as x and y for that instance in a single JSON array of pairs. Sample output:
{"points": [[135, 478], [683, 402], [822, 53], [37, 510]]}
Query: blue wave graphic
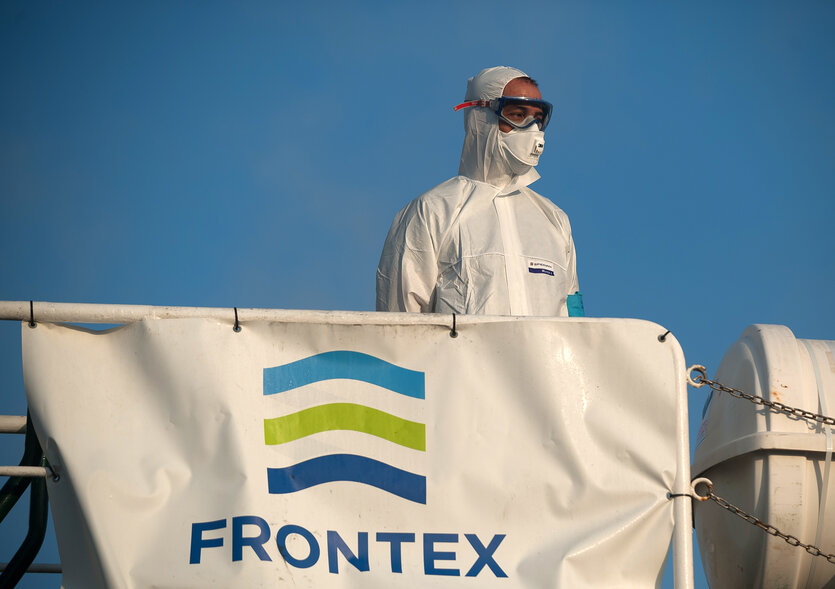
{"points": [[344, 364], [347, 467]]}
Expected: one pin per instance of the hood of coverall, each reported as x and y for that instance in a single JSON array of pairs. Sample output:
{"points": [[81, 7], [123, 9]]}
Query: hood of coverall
{"points": [[482, 158]]}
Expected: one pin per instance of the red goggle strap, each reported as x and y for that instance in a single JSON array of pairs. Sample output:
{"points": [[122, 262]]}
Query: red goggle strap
{"points": [[470, 103]]}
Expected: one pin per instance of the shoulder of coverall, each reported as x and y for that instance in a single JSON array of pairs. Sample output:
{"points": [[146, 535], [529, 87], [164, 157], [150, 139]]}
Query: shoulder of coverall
{"points": [[445, 196], [435, 204], [435, 210]]}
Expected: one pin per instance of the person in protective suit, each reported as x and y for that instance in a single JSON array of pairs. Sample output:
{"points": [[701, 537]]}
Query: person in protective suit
{"points": [[483, 242]]}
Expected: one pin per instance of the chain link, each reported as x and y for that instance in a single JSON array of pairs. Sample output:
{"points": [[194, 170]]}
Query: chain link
{"points": [[768, 529], [702, 379]]}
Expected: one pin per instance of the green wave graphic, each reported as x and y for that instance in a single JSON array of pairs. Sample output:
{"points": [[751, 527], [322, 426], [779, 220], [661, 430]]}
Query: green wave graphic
{"points": [[345, 416]]}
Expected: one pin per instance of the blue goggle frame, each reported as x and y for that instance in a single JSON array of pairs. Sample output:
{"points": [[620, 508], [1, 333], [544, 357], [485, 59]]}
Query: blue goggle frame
{"points": [[498, 104]]}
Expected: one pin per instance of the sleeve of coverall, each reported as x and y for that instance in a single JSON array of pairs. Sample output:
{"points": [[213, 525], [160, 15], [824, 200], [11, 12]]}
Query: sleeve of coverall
{"points": [[573, 282], [574, 299], [408, 266]]}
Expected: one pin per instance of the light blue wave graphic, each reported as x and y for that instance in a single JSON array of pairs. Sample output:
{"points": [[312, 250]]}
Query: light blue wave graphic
{"points": [[347, 365], [343, 364], [347, 467]]}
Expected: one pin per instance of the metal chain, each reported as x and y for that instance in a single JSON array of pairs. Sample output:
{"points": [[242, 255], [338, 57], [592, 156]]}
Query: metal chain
{"points": [[702, 380], [769, 529]]}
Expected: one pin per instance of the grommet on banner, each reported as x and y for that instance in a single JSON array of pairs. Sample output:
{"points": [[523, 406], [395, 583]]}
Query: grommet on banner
{"points": [[453, 333], [663, 336], [32, 314], [237, 327]]}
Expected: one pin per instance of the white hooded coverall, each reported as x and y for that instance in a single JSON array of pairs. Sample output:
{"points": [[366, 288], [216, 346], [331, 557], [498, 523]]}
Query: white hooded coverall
{"points": [[482, 242]]}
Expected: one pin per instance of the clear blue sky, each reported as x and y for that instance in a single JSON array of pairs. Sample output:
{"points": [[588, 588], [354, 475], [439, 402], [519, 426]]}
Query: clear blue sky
{"points": [[253, 154]]}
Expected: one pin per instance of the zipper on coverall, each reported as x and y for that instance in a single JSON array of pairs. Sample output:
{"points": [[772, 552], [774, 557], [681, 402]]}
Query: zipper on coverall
{"points": [[516, 292]]}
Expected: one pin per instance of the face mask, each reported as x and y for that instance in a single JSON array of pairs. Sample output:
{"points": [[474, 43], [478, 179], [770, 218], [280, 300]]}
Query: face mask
{"points": [[521, 148]]}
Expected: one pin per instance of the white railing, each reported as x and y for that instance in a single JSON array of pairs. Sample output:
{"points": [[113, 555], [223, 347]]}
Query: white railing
{"points": [[106, 313]]}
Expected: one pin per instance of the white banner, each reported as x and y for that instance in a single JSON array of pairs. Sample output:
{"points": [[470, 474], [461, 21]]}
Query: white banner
{"points": [[523, 453]]}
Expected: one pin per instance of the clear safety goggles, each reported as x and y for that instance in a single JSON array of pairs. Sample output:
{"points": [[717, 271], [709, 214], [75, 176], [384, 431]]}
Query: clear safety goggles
{"points": [[517, 111]]}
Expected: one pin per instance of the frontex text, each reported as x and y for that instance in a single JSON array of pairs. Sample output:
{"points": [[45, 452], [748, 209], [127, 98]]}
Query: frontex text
{"points": [[440, 551]]}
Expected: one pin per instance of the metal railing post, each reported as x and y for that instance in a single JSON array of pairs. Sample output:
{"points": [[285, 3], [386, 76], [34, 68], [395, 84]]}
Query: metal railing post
{"points": [[38, 509], [25, 555], [15, 486]]}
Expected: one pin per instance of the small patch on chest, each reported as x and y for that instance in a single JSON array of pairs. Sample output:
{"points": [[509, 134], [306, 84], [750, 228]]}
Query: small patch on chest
{"points": [[540, 267]]}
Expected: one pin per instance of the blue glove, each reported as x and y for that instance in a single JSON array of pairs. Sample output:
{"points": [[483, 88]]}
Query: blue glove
{"points": [[575, 305]]}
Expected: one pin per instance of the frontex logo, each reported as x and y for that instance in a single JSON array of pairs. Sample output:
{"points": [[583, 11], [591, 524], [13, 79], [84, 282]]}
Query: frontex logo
{"points": [[345, 416], [337, 432]]}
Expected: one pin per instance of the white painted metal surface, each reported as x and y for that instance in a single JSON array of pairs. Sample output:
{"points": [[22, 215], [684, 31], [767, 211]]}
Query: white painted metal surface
{"points": [[12, 424], [22, 471], [773, 466], [106, 313]]}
